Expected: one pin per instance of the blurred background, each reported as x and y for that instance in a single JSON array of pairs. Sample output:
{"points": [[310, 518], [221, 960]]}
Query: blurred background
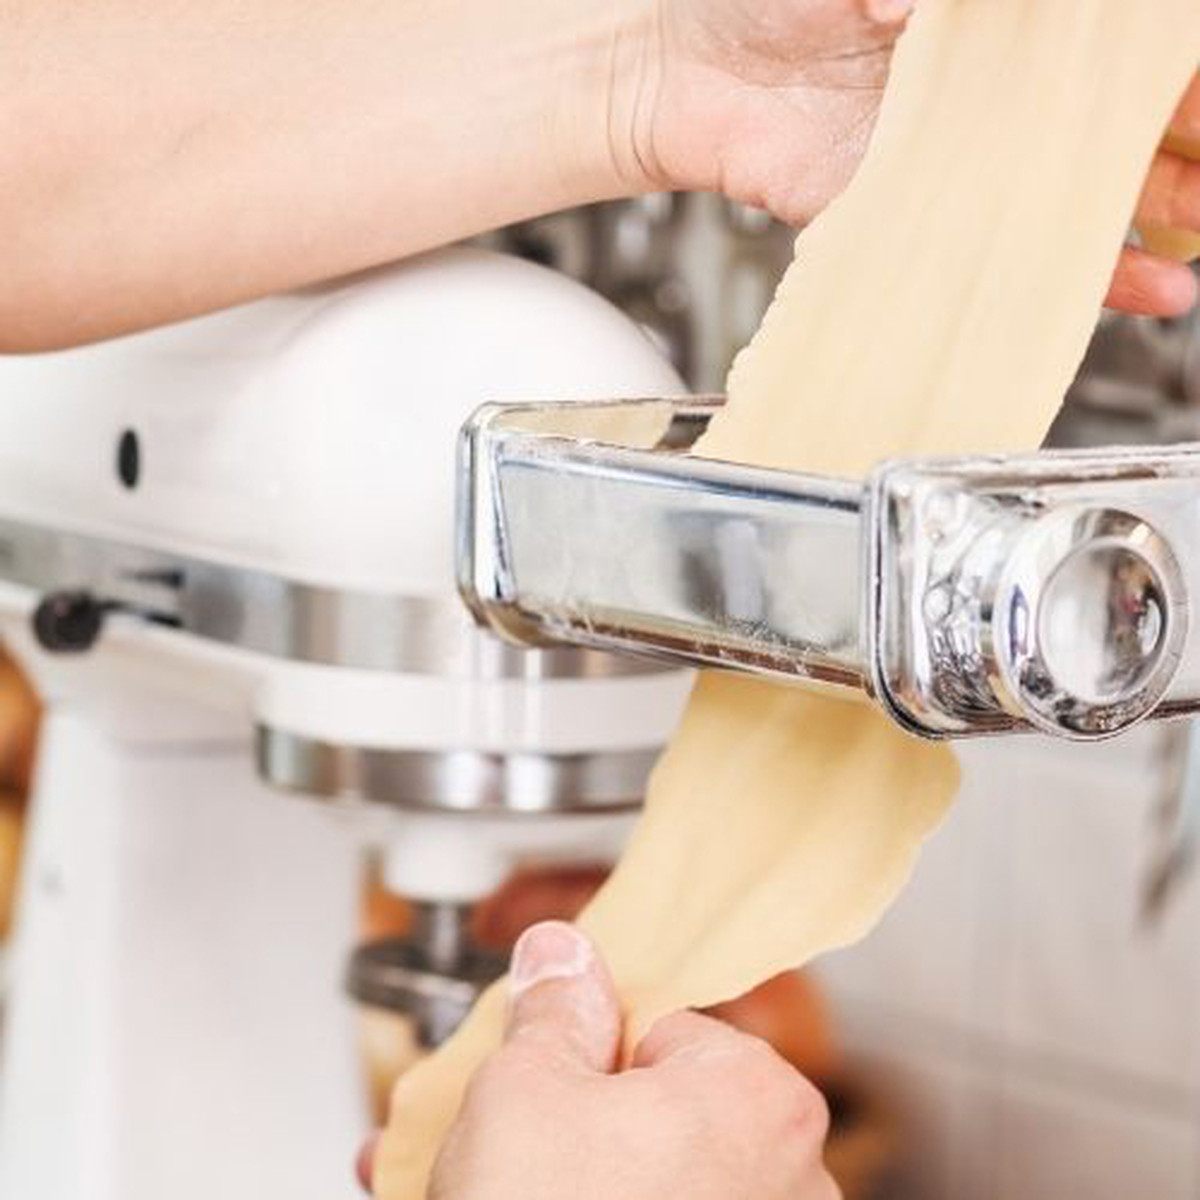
{"points": [[1025, 1023]]}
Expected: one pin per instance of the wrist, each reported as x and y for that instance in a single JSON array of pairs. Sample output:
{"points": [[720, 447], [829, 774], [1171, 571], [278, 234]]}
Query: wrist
{"points": [[517, 110], [528, 108], [603, 84]]}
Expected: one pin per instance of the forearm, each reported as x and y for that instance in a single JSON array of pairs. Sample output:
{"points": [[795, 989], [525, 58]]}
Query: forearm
{"points": [[163, 158]]}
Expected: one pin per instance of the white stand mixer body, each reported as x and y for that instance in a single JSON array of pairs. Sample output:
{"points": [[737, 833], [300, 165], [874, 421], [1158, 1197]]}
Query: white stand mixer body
{"points": [[177, 1026]]}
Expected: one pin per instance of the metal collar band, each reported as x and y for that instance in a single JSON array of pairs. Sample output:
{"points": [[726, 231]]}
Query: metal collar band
{"points": [[460, 781]]}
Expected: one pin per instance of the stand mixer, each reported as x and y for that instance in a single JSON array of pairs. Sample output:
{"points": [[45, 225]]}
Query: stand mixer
{"points": [[226, 558]]}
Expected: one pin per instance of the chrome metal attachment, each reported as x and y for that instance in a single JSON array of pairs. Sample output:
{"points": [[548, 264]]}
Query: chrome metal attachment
{"points": [[976, 595]]}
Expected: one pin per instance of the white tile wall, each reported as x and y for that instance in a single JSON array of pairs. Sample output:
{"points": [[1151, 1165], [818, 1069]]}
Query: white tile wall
{"points": [[1037, 1039], [1084, 980], [1063, 1142]]}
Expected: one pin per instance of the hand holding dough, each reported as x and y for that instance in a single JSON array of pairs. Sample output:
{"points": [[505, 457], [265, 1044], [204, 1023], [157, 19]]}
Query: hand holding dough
{"points": [[626, 1136]]}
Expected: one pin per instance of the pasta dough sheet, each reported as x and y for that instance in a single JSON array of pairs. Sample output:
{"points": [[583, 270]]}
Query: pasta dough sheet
{"points": [[942, 305]]}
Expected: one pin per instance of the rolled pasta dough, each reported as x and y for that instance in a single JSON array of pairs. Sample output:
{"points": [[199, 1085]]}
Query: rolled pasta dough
{"points": [[941, 305]]}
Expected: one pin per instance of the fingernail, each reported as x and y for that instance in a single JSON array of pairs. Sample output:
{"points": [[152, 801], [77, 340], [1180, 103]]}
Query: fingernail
{"points": [[550, 950], [885, 11]]}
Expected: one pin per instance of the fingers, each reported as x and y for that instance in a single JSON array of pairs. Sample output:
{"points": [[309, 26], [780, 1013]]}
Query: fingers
{"points": [[1169, 216], [364, 1165], [689, 1041], [1186, 124], [766, 1111], [1151, 286], [684, 1034], [1171, 197], [563, 1009]]}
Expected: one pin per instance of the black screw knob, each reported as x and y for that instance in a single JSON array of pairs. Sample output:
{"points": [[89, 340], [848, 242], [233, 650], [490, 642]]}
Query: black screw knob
{"points": [[68, 622]]}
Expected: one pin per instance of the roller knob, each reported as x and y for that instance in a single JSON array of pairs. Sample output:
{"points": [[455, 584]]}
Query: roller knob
{"points": [[1089, 622]]}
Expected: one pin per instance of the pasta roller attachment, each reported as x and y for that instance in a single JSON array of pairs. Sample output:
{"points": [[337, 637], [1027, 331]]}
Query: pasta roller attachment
{"points": [[972, 595]]}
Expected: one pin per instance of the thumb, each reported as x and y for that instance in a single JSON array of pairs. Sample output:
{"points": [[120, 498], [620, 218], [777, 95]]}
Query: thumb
{"points": [[563, 1008]]}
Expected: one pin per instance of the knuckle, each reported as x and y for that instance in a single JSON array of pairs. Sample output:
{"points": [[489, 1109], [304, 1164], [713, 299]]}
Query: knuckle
{"points": [[1187, 199], [1167, 192], [784, 1101], [811, 1107], [1176, 179], [765, 1069], [758, 1055], [1174, 188]]}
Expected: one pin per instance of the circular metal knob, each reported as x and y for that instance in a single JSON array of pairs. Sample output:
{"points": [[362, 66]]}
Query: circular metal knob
{"points": [[69, 622], [1089, 623]]}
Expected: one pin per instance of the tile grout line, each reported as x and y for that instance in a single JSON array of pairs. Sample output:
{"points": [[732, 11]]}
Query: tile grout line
{"points": [[976, 1051]]}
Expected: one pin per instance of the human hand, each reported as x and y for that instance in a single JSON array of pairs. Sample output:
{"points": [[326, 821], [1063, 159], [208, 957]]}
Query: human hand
{"points": [[704, 1111], [772, 103], [787, 1011]]}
